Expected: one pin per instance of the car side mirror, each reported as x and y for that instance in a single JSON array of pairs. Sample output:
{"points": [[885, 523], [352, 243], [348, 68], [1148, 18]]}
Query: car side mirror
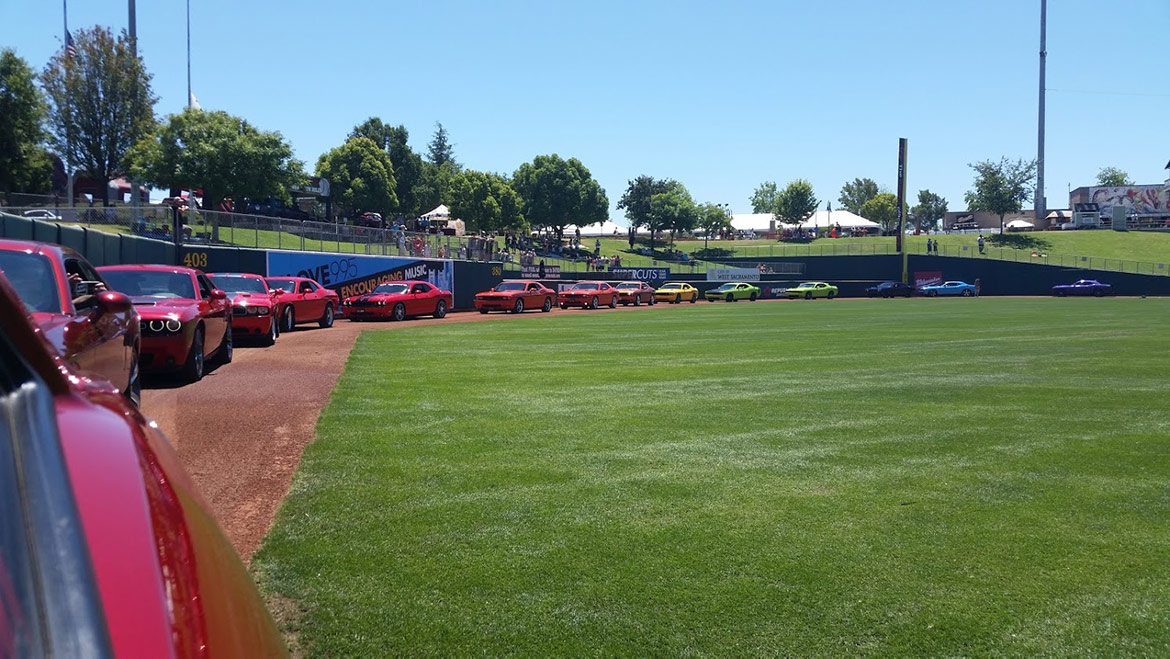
{"points": [[113, 302], [217, 294], [278, 291]]}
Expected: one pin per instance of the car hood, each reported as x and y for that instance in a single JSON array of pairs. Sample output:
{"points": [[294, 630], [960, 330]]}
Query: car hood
{"points": [[150, 308], [499, 293], [369, 297], [52, 328], [254, 299]]}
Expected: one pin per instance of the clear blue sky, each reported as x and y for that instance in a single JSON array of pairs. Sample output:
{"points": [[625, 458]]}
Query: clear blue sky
{"points": [[719, 95]]}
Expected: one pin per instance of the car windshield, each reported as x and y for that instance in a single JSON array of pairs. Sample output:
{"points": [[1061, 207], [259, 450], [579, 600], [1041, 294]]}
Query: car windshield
{"points": [[671, 286], [288, 285], [233, 285], [32, 277], [391, 289], [807, 284], [584, 286], [727, 287], [629, 285], [151, 283], [510, 286], [888, 284]]}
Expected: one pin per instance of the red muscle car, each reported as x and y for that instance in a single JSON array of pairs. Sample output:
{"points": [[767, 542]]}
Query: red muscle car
{"points": [[516, 296], [107, 547], [304, 301], [255, 311], [398, 300], [635, 293], [589, 295], [181, 312], [95, 330]]}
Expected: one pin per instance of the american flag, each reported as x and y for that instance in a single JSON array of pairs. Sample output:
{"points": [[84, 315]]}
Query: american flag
{"points": [[70, 51]]}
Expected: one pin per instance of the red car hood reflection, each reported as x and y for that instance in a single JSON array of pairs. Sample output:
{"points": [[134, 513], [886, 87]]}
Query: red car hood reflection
{"points": [[153, 308]]}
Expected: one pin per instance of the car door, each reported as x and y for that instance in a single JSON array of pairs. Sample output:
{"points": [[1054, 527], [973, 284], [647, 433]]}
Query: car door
{"points": [[215, 313], [533, 297], [308, 304], [422, 299]]}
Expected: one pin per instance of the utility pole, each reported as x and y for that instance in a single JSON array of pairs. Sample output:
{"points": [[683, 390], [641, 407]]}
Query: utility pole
{"points": [[134, 201], [190, 98], [1041, 202]]}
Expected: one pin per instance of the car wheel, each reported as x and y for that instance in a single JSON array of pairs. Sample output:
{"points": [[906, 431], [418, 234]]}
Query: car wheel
{"points": [[652, 301], [441, 308], [613, 302], [832, 295], [1059, 293], [565, 307], [224, 354], [637, 301], [134, 388], [967, 293], [484, 311], [519, 306], [327, 319], [932, 294], [399, 312], [694, 298], [593, 303], [753, 297], [678, 299], [1098, 292], [547, 306], [808, 295], [272, 333], [730, 297], [193, 368], [289, 321]]}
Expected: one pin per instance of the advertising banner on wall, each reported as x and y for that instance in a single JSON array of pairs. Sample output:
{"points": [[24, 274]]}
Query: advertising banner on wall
{"points": [[352, 275], [540, 272], [927, 279], [733, 274], [653, 276], [1136, 199]]}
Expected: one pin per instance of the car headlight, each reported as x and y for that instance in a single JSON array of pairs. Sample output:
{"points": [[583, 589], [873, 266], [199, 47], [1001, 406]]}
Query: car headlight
{"points": [[174, 326], [258, 311]]}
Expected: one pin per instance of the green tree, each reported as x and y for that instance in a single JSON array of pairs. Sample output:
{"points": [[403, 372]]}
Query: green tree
{"points": [[674, 211], [855, 194], [408, 165], [1112, 177], [361, 178], [930, 210], [712, 219], [558, 192], [1001, 187], [100, 104], [882, 209], [222, 154], [765, 197], [486, 202], [440, 150], [24, 164], [434, 185], [796, 202], [636, 199]]}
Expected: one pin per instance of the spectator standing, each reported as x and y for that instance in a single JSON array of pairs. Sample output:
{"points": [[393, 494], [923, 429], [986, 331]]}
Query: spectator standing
{"points": [[597, 247], [980, 243], [929, 246]]}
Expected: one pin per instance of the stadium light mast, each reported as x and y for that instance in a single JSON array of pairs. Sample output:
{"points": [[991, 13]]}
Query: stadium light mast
{"points": [[133, 30], [1041, 202]]}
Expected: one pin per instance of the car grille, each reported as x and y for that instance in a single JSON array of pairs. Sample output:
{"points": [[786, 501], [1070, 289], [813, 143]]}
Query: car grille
{"points": [[363, 303]]}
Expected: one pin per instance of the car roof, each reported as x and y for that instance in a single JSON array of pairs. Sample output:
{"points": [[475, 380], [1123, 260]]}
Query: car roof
{"points": [[235, 274], [36, 247], [153, 267]]}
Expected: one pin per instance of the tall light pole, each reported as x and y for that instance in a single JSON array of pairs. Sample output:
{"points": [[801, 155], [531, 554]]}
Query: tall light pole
{"points": [[1041, 202], [133, 30], [190, 98]]}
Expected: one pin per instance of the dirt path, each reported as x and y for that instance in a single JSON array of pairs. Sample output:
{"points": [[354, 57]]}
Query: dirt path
{"points": [[241, 430]]}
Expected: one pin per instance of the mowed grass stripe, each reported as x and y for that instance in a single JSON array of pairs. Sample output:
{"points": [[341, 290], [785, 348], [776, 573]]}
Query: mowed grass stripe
{"points": [[854, 476]]}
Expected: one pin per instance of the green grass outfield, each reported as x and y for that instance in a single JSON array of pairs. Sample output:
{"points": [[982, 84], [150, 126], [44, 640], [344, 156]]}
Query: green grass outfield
{"points": [[943, 477]]}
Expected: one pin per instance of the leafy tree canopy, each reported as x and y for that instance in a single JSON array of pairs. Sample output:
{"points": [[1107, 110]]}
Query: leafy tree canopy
{"points": [[855, 194], [222, 154], [636, 199], [882, 209], [100, 103], [1112, 177], [24, 165], [712, 219], [1001, 187], [408, 165], [486, 202], [440, 150], [361, 178], [559, 192], [796, 202], [930, 210], [765, 197], [673, 210]]}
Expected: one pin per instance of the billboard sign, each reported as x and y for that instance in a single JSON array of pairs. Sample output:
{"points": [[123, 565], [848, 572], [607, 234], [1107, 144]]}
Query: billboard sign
{"points": [[927, 279], [1135, 199], [733, 274], [540, 271], [649, 275], [352, 275]]}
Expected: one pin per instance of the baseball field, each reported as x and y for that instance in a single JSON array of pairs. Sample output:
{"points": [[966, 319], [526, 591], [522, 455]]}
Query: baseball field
{"points": [[922, 476]]}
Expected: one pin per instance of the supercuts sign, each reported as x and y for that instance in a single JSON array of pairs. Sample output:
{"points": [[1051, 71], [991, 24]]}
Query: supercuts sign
{"points": [[352, 275], [648, 275]]}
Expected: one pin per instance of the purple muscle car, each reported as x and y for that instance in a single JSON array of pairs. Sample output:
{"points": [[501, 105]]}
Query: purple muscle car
{"points": [[1083, 287]]}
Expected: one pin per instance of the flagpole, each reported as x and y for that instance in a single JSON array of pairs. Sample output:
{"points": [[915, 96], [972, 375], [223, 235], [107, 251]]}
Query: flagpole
{"points": [[68, 165], [189, 97]]}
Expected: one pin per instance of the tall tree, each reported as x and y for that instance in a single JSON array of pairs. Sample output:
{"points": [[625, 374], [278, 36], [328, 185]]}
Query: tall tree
{"points": [[1112, 177], [408, 165], [486, 202], [855, 194], [1001, 187], [222, 154], [796, 202], [361, 178], [558, 192], [882, 209], [674, 211], [712, 219], [764, 198], [930, 210], [434, 185], [636, 199], [440, 150], [24, 164], [100, 103]]}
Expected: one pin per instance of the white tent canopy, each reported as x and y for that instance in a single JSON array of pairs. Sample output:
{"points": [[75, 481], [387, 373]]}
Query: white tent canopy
{"points": [[439, 211], [760, 222], [602, 229], [1020, 224]]}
